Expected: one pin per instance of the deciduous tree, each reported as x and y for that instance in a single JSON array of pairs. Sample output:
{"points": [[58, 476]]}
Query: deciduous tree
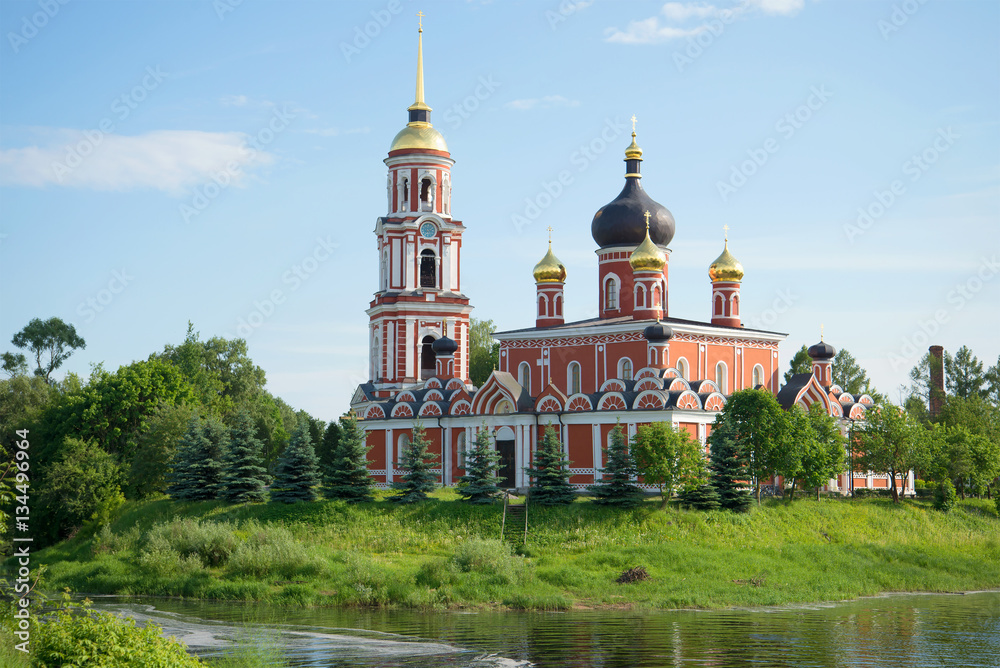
{"points": [[668, 458], [51, 342], [761, 431], [800, 363], [848, 374], [964, 374], [484, 351], [890, 442]]}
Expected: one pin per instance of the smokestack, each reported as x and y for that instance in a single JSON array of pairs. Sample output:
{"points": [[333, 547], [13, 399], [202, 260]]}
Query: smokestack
{"points": [[936, 397]]}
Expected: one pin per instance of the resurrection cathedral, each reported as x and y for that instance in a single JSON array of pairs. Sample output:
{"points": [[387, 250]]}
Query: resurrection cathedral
{"points": [[635, 364]]}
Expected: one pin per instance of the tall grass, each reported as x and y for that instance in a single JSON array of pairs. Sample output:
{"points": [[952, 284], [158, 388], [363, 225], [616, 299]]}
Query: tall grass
{"points": [[446, 553]]}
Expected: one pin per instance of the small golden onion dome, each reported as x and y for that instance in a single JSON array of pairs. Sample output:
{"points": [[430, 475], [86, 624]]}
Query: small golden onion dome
{"points": [[726, 267], [422, 136], [549, 269], [633, 152], [646, 256]]}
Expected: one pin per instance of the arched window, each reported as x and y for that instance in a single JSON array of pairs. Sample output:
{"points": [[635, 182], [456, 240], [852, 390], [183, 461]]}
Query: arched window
{"points": [[625, 368], [542, 303], [758, 375], [656, 296], [385, 271], [640, 296], [610, 294], [573, 378], [401, 443], [427, 357], [722, 377], [428, 269], [524, 375], [719, 302], [736, 306], [460, 443], [405, 203], [446, 195], [558, 303], [426, 195], [376, 358], [682, 368]]}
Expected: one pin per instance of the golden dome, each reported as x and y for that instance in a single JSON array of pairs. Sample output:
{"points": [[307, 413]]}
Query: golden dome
{"points": [[549, 269], [421, 136], [726, 267], [633, 152], [647, 256]]}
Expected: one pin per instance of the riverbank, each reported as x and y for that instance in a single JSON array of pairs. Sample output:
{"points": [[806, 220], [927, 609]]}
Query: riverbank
{"points": [[445, 554]]}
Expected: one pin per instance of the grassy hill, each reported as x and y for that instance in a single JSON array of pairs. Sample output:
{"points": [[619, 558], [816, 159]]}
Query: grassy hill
{"points": [[444, 553]]}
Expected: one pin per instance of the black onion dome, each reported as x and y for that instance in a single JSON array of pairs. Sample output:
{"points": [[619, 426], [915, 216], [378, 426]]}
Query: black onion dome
{"points": [[658, 332], [444, 345], [822, 351], [622, 221]]}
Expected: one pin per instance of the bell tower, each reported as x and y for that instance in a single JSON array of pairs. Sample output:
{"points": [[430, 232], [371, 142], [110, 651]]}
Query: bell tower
{"points": [[419, 298]]}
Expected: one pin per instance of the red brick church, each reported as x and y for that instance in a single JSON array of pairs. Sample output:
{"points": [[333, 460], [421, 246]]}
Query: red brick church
{"points": [[635, 363]]}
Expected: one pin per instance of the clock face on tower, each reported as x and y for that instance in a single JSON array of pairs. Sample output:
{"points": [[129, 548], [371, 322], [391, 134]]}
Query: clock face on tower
{"points": [[427, 230]]}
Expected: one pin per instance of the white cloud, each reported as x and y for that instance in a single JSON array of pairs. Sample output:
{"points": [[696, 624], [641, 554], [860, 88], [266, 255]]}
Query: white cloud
{"points": [[167, 160], [546, 102], [670, 23]]}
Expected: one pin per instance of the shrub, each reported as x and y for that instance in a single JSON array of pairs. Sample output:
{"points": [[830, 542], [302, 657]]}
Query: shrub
{"points": [[492, 558], [273, 551], [945, 496], [212, 542], [866, 493]]}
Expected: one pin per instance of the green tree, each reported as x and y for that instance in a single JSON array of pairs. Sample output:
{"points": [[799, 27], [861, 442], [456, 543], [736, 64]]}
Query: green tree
{"points": [[484, 351], [155, 449], [297, 475], [800, 363], [992, 382], [326, 449], [550, 472], [479, 484], [84, 484], [616, 486], [51, 342], [668, 458], [848, 374], [827, 458], [729, 467], [970, 462], [964, 374], [799, 441], [196, 468], [22, 400], [761, 431], [14, 364], [347, 474], [920, 384], [243, 476], [890, 442], [418, 462], [699, 497]]}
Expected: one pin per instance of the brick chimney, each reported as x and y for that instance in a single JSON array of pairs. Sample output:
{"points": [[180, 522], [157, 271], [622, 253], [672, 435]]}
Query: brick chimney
{"points": [[936, 397]]}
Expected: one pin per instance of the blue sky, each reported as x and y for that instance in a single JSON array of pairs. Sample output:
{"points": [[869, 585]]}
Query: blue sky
{"points": [[853, 148]]}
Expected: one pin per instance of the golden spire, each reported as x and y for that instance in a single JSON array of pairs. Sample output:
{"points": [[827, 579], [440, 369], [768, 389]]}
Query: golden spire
{"points": [[646, 256], [821, 332], [549, 269], [726, 267], [419, 103], [633, 152]]}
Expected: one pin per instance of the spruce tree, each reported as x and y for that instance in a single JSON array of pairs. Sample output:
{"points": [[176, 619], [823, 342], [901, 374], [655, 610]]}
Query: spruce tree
{"points": [[700, 497], [244, 476], [729, 468], [481, 465], [326, 449], [346, 476], [550, 473], [418, 461], [197, 463], [616, 486], [297, 474]]}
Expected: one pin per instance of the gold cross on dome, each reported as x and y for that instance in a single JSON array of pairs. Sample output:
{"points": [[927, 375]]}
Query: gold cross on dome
{"points": [[420, 20], [647, 221], [725, 228], [821, 331], [633, 122]]}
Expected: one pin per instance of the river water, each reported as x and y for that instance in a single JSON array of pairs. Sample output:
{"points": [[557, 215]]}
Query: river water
{"points": [[905, 630]]}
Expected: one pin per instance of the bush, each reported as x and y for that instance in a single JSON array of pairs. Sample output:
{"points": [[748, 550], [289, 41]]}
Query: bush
{"points": [[865, 493], [97, 639], [273, 551], [212, 542], [945, 496], [492, 558]]}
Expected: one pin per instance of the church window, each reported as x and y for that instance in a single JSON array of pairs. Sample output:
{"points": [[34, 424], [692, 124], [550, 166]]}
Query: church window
{"points": [[405, 204], [524, 375], [722, 377], [426, 195], [541, 306], [573, 380], [404, 440], [610, 294], [625, 369], [460, 441], [736, 306], [656, 297], [719, 302], [682, 368], [427, 357], [428, 269], [758, 375], [640, 296], [558, 303]]}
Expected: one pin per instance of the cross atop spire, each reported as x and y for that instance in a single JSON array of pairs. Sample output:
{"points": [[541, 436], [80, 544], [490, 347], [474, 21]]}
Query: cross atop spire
{"points": [[419, 104], [647, 221], [725, 229], [550, 236], [821, 332], [633, 123], [420, 21]]}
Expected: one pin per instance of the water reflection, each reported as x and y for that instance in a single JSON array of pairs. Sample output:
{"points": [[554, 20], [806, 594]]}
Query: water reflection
{"points": [[912, 630]]}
